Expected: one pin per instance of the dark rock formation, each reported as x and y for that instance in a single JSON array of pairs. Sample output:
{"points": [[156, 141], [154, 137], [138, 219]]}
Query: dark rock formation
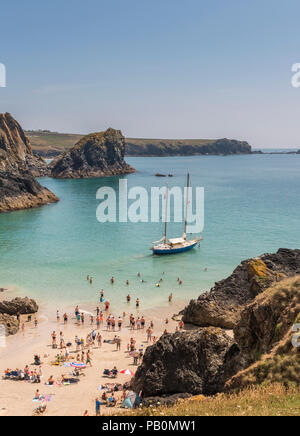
{"points": [[11, 310], [195, 362], [17, 148], [21, 306], [18, 188], [222, 306], [10, 323], [95, 155]]}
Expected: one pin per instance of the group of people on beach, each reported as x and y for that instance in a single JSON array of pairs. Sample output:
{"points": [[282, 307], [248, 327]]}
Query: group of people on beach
{"points": [[80, 350]]}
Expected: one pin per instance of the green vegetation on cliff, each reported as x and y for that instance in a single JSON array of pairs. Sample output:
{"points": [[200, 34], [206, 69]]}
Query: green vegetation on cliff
{"points": [[269, 400]]}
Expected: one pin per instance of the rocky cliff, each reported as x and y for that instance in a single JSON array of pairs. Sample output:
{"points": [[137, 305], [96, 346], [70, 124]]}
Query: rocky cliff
{"points": [[222, 306], [95, 155], [208, 360], [18, 167], [17, 148]]}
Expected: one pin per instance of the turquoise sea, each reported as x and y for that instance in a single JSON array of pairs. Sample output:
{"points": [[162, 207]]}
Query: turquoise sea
{"points": [[252, 206]]}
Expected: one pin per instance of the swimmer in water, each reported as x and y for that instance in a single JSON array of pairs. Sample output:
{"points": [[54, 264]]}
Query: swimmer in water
{"points": [[112, 280], [128, 298], [127, 282]]}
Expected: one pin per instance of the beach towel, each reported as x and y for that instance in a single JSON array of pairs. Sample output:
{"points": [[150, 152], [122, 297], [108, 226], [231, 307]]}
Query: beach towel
{"points": [[46, 398]]}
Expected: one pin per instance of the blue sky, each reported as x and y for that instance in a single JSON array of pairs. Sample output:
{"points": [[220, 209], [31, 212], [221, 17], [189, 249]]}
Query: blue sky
{"points": [[154, 68]]}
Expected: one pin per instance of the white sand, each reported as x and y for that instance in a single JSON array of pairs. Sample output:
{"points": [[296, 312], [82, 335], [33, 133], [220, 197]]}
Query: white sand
{"points": [[16, 396]]}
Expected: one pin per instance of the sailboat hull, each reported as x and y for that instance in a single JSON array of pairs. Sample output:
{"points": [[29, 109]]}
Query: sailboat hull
{"points": [[174, 250]]}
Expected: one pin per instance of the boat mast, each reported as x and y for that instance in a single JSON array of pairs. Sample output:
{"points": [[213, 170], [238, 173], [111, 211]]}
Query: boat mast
{"points": [[187, 204], [166, 215]]}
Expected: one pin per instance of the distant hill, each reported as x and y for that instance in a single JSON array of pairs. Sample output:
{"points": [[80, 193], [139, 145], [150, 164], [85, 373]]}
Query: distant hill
{"points": [[50, 144]]}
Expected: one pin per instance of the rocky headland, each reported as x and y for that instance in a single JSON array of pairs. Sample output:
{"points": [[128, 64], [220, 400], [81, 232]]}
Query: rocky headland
{"points": [[95, 155], [222, 306], [10, 312], [157, 147], [261, 302], [18, 169]]}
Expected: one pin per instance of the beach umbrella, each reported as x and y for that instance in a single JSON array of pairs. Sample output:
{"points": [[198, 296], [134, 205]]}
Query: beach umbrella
{"points": [[127, 372], [78, 365]]}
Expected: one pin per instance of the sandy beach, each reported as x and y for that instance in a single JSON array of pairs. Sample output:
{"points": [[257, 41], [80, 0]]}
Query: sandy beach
{"points": [[16, 397]]}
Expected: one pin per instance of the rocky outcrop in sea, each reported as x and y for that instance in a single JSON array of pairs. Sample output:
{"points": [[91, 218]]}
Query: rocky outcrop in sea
{"points": [[95, 155], [18, 169]]}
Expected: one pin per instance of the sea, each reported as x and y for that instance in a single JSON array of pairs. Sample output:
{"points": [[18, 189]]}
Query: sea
{"points": [[251, 206]]}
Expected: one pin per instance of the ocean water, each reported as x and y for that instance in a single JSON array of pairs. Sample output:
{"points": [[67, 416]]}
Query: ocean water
{"points": [[252, 206]]}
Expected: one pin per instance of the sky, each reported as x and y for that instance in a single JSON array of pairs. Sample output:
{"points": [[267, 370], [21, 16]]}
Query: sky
{"points": [[154, 68]]}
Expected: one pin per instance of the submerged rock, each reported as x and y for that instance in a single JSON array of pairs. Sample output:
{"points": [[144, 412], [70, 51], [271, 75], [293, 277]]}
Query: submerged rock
{"points": [[95, 155], [222, 306]]}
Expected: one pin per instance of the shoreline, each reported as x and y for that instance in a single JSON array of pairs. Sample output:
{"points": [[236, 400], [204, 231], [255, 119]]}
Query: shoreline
{"points": [[16, 397]]}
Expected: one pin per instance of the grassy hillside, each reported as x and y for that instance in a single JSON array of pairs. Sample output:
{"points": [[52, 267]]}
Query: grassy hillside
{"points": [[50, 144], [273, 400]]}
